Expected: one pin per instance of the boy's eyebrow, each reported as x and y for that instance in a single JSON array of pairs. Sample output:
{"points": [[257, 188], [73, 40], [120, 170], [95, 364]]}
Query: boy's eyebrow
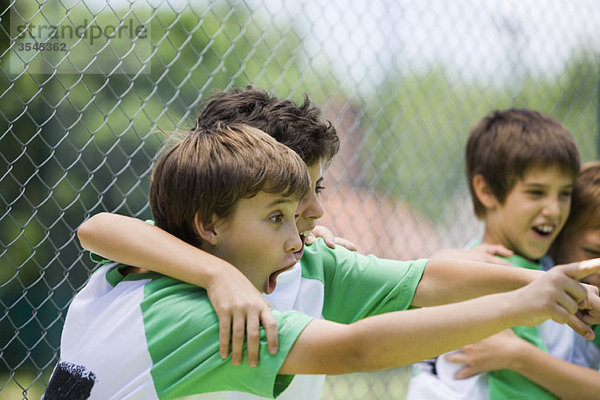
{"points": [[569, 185], [281, 200]]}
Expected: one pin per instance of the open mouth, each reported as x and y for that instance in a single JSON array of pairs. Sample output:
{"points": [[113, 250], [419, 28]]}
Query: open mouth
{"points": [[272, 281], [544, 230]]}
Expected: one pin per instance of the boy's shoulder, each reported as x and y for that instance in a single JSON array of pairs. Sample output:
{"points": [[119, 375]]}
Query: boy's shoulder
{"points": [[151, 291], [515, 260], [318, 259], [347, 267]]}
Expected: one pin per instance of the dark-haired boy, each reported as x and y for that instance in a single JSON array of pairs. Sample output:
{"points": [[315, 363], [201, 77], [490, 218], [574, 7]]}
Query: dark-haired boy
{"points": [[521, 167]]}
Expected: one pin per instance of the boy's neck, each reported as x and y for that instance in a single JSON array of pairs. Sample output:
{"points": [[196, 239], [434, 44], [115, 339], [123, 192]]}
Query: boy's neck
{"points": [[488, 240]]}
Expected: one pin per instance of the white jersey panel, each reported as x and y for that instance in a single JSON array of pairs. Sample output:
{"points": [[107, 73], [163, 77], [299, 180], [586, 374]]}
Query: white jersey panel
{"points": [[293, 292], [99, 298], [427, 385]]}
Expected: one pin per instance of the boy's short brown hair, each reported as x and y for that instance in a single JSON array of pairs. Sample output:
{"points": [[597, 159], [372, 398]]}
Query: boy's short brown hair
{"points": [[207, 172], [585, 205], [300, 127], [504, 144]]}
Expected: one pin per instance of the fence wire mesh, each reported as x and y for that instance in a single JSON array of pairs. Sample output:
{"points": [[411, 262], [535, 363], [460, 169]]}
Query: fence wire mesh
{"points": [[85, 85]]}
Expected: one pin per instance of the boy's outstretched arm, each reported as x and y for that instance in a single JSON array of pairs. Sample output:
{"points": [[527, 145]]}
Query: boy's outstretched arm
{"points": [[239, 305], [450, 280], [404, 337]]}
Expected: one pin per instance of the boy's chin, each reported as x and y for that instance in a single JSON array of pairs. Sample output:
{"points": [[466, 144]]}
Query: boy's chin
{"points": [[535, 249], [534, 255]]}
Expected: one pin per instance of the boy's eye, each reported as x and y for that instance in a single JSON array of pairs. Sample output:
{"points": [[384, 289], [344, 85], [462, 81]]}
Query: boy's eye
{"points": [[277, 218], [566, 193], [535, 192], [319, 189]]}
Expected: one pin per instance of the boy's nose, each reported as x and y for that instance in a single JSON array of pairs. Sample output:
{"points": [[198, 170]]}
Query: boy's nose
{"points": [[551, 208], [293, 242], [312, 208]]}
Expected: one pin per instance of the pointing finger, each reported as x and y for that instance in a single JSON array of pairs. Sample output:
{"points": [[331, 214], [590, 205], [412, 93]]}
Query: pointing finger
{"points": [[582, 269]]}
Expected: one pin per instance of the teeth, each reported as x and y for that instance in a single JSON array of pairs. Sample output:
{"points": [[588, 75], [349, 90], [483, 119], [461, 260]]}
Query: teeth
{"points": [[544, 228], [305, 233]]}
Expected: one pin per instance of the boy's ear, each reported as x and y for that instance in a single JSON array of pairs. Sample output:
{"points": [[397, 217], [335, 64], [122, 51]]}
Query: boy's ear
{"points": [[205, 231], [483, 192]]}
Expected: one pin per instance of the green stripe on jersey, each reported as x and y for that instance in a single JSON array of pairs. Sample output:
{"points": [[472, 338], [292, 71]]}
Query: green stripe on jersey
{"points": [[182, 332]]}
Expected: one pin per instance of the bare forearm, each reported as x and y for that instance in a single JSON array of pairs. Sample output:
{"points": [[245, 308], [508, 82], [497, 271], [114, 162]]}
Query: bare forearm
{"points": [[142, 245], [446, 281], [567, 381], [440, 329], [396, 339]]}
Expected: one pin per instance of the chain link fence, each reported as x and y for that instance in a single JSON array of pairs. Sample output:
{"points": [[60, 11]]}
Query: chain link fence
{"points": [[87, 85]]}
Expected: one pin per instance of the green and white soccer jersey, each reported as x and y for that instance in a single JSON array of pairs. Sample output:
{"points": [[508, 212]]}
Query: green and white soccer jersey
{"points": [[146, 336], [167, 345], [356, 286], [495, 385]]}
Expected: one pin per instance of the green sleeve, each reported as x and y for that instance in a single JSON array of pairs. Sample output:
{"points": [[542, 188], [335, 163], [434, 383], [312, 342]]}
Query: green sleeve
{"points": [[357, 286], [97, 258], [596, 329], [182, 332]]}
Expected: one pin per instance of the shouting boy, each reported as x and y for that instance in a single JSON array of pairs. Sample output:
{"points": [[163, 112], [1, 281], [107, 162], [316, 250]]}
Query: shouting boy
{"points": [[578, 378], [521, 167]]}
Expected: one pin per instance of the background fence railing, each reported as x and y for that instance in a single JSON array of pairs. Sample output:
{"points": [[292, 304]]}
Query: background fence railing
{"points": [[86, 84]]}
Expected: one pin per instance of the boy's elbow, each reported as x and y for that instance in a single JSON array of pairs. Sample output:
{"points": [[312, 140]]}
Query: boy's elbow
{"points": [[88, 229], [83, 233]]}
